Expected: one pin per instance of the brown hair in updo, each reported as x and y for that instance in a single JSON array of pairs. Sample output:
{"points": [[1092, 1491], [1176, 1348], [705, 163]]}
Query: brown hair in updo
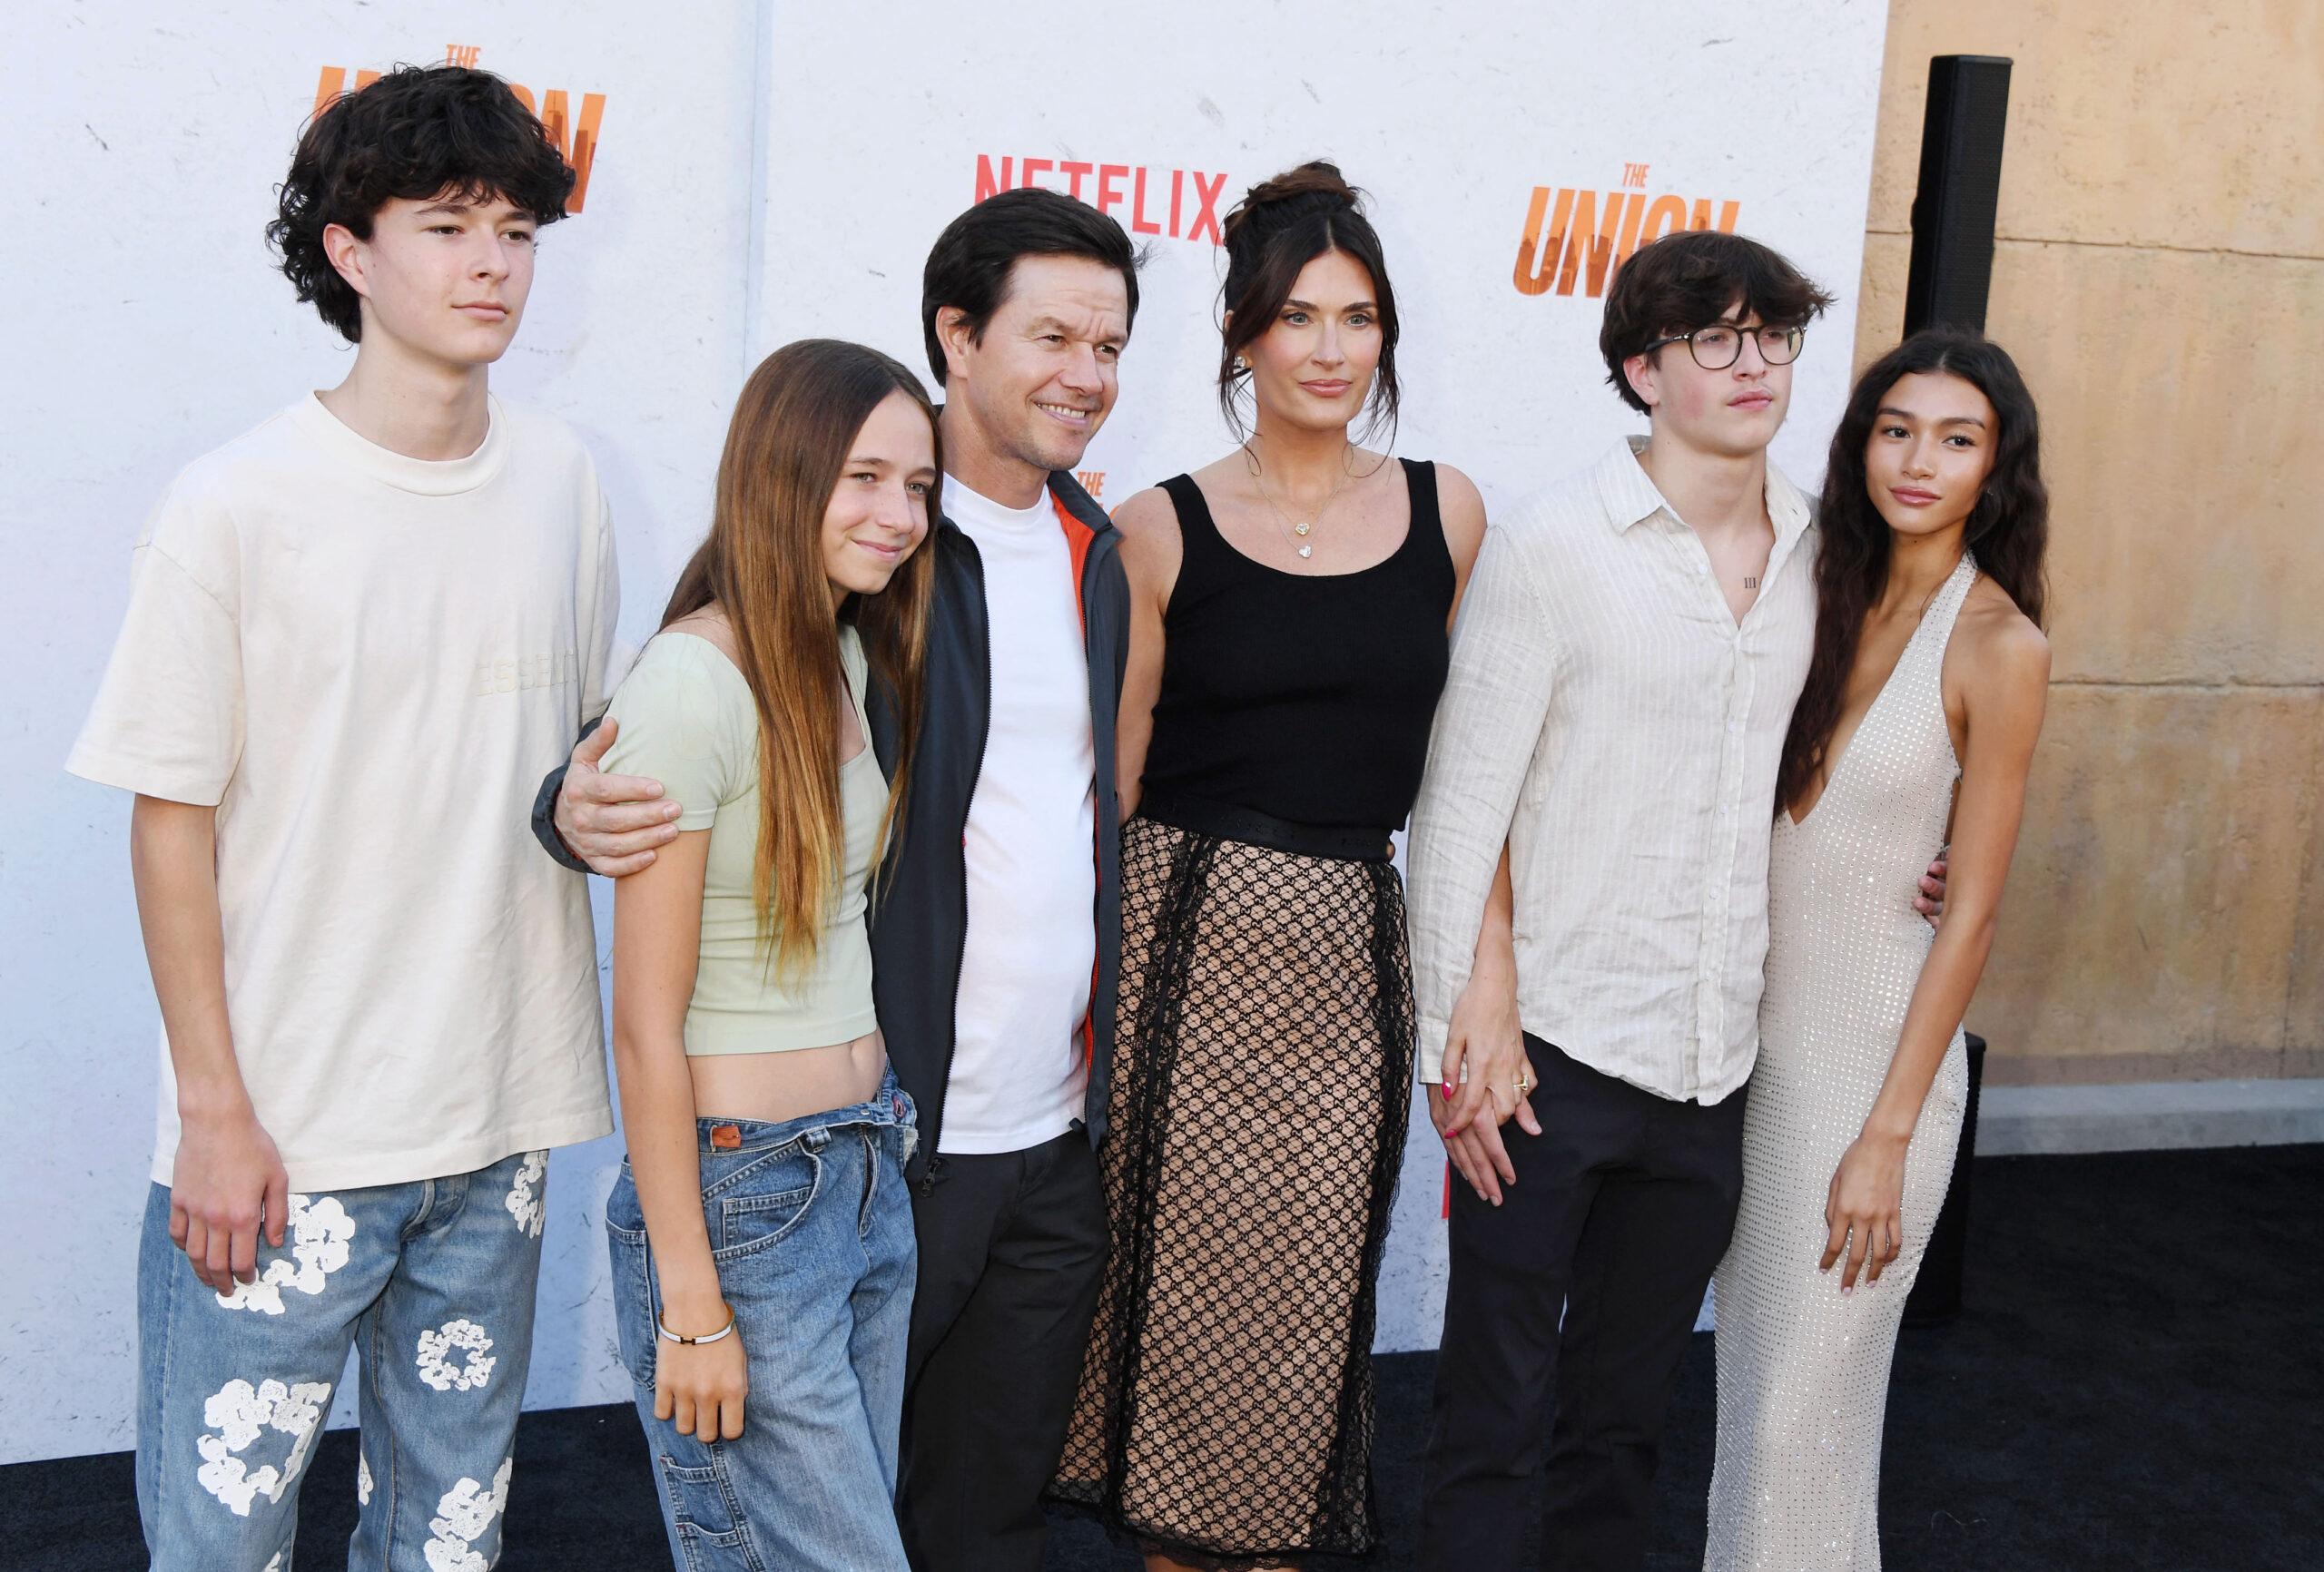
{"points": [[1278, 228]]}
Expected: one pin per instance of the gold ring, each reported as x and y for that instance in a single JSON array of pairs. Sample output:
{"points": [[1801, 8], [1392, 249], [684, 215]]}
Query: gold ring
{"points": [[1523, 1085]]}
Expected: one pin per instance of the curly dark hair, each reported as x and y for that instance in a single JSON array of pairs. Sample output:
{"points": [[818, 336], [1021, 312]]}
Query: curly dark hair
{"points": [[418, 132], [2009, 528]]}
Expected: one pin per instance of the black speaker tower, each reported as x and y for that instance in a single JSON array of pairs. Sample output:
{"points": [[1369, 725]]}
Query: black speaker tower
{"points": [[1952, 213]]}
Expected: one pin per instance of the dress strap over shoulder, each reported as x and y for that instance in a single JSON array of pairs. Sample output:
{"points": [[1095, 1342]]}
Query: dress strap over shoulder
{"points": [[1419, 479], [1425, 538], [1199, 543], [1950, 599], [1922, 662]]}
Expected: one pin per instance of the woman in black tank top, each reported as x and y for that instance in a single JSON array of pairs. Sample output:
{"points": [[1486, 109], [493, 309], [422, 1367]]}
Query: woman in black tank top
{"points": [[1303, 695], [1290, 608]]}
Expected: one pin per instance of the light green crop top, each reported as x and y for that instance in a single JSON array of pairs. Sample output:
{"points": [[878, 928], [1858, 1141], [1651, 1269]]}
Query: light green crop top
{"points": [[688, 721]]}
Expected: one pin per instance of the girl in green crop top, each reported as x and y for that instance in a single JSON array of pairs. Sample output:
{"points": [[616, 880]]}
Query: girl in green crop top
{"points": [[749, 1264]]}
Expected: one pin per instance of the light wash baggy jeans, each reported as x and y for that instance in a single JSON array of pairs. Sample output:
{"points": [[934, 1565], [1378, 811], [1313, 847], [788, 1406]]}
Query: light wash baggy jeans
{"points": [[432, 1281], [811, 1229]]}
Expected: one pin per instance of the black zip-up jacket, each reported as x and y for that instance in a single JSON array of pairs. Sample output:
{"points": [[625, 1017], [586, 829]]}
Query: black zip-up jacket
{"points": [[919, 923]]}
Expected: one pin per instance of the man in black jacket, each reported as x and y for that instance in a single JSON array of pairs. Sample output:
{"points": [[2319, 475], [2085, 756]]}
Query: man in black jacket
{"points": [[997, 933]]}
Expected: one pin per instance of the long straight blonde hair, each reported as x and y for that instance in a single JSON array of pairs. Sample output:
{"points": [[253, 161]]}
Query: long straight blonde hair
{"points": [[792, 433]]}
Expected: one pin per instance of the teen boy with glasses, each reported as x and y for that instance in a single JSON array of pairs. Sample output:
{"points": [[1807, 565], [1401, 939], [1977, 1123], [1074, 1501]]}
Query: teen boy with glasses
{"points": [[1622, 678]]}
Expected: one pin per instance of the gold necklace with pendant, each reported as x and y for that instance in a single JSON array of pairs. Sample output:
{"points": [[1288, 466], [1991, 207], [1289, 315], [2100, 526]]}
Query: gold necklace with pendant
{"points": [[1296, 534]]}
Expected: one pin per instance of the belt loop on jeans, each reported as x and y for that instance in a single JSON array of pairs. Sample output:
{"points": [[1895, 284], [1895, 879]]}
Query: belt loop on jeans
{"points": [[1228, 822]]}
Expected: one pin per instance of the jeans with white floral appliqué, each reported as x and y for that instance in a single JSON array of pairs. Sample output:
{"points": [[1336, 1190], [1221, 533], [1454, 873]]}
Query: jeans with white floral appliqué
{"points": [[811, 1229], [432, 1283]]}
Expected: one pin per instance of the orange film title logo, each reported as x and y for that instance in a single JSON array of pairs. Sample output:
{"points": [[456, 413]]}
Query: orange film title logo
{"points": [[1583, 237], [1182, 203], [576, 139]]}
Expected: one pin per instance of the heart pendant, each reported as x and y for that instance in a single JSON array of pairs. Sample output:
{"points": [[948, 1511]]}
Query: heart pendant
{"points": [[1306, 551]]}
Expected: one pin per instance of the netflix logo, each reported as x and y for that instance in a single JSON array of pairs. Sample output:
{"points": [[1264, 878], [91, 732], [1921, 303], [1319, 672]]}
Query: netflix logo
{"points": [[1181, 203]]}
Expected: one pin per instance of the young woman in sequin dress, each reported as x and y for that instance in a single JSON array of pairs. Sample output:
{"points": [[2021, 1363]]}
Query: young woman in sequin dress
{"points": [[1924, 699]]}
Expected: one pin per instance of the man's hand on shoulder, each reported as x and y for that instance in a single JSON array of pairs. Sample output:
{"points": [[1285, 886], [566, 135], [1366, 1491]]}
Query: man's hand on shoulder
{"points": [[611, 822]]}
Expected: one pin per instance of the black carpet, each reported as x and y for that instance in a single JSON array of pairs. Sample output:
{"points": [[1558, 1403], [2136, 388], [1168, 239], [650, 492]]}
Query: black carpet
{"points": [[2137, 1384]]}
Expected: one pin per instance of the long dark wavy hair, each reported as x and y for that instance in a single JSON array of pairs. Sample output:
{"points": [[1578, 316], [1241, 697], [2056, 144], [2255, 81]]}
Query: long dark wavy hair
{"points": [[2008, 529]]}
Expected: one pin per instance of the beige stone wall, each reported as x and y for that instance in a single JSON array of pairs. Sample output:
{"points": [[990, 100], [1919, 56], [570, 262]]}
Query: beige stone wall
{"points": [[2160, 277]]}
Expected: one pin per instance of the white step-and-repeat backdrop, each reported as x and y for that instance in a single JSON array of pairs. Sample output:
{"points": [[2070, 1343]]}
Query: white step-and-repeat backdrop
{"points": [[754, 174]]}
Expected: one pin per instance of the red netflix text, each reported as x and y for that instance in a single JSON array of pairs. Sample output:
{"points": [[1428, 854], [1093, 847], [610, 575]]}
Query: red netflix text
{"points": [[1182, 203]]}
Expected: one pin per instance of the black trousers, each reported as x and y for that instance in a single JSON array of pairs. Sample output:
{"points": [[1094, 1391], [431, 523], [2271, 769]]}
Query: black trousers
{"points": [[1623, 1206], [1011, 1248]]}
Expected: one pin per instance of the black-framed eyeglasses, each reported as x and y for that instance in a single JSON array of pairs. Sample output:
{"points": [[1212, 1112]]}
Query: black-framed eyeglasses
{"points": [[1720, 344]]}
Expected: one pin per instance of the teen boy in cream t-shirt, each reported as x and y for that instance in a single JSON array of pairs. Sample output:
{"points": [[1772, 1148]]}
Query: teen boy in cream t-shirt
{"points": [[356, 637]]}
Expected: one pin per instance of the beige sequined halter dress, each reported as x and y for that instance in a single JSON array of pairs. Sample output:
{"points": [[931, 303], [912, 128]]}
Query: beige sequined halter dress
{"points": [[1803, 1373]]}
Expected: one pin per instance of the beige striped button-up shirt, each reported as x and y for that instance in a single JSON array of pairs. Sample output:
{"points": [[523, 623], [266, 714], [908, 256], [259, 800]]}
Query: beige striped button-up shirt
{"points": [[1608, 717]]}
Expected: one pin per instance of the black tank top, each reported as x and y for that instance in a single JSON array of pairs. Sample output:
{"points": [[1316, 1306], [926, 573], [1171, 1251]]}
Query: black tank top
{"points": [[1306, 698]]}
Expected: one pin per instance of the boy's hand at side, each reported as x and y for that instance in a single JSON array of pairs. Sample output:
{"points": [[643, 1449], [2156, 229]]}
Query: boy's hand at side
{"points": [[229, 1180], [229, 1184]]}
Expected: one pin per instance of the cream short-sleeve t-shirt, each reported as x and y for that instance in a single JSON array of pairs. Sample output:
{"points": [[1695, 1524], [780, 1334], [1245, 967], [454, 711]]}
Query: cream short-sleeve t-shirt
{"points": [[367, 663]]}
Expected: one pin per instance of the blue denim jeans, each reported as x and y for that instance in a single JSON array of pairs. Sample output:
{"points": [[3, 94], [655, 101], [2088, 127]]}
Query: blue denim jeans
{"points": [[811, 1229], [432, 1283]]}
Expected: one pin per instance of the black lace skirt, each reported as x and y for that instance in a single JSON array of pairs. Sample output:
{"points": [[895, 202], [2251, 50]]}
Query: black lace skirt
{"points": [[1261, 1088]]}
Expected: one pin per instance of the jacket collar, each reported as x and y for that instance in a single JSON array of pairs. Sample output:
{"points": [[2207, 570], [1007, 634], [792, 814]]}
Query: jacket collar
{"points": [[1067, 495]]}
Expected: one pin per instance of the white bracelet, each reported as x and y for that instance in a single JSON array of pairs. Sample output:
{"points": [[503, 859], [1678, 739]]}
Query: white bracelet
{"points": [[669, 1336]]}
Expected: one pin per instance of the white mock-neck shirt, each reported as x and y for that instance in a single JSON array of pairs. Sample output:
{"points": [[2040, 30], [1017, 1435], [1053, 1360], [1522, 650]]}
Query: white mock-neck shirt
{"points": [[1030, 957]]}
